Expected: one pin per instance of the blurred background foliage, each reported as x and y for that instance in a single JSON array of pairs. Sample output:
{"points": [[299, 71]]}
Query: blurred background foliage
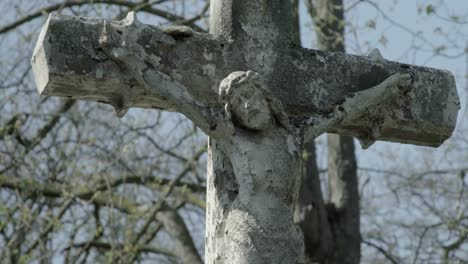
{"points": [[79, 185]]}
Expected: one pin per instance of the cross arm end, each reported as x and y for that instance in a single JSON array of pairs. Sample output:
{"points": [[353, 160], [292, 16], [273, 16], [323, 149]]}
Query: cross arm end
{"points": [[128, 64]]}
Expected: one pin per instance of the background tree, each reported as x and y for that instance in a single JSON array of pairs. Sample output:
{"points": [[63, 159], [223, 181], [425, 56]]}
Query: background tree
{"points": [[382, 195], [79, 187], [331, 228]]}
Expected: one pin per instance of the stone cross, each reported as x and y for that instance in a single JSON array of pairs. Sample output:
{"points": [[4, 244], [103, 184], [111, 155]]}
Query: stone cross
{"points": [[256, 95]]}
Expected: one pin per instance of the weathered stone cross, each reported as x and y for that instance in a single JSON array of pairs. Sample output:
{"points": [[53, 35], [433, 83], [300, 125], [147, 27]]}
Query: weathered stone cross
{"points": [[256, 95]]}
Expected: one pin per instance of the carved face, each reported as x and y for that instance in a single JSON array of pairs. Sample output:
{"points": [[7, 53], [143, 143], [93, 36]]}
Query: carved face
{"points": [[250, 108]]}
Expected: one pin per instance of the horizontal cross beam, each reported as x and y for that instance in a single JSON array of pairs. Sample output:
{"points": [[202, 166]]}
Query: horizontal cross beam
{"points": [[108, 61]]}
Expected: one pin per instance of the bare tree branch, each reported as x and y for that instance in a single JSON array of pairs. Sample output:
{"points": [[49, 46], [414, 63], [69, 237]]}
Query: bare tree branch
{"points": [[145, 7], [137, 248], [381, 250]]}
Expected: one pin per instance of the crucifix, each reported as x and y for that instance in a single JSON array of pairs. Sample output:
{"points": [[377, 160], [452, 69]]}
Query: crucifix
{"points": [[256, 95]]}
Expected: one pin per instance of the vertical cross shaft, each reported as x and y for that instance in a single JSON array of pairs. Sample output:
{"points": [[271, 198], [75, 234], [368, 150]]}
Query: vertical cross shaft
{"points": [[258, 31]]}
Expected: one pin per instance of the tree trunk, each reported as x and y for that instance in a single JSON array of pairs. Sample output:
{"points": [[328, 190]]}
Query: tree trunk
{"points": [[343, 207], [310, 212]]}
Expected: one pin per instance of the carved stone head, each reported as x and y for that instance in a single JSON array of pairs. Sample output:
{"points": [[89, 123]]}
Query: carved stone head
{"points": [[248, 103]]}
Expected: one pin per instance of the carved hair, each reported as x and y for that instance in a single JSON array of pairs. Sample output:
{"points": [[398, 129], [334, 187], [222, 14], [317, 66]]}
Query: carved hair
{"points": [[254, 81]]}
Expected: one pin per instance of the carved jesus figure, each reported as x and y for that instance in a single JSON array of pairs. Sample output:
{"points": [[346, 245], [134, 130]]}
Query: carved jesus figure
{"points": [[268, 177], [264, 151]]}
